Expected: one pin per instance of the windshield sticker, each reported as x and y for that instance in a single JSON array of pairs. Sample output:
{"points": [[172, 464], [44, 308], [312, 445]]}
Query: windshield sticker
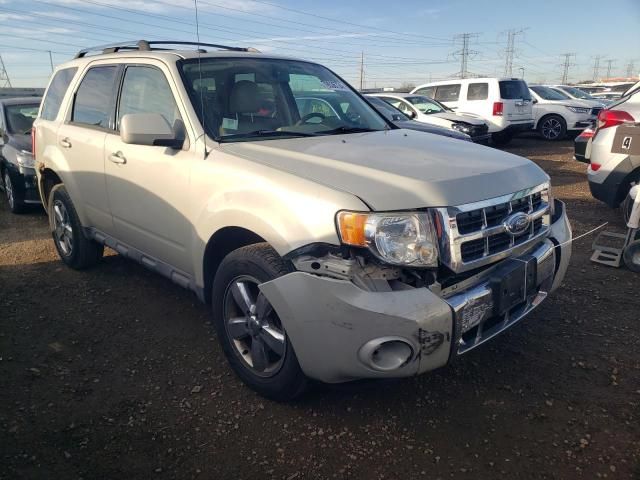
{"points": [[334, 85], [230, 123]]}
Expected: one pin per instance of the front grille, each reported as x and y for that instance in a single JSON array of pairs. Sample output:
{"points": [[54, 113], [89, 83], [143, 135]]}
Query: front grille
{"points": [[479, 130], [476, 234], [595, 111]]}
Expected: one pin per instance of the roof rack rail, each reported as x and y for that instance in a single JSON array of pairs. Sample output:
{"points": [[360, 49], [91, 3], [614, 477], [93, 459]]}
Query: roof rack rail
{"points": [[148, 45]]}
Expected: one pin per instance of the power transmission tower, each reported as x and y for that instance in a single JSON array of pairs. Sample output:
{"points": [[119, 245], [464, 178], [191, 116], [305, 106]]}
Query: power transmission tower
{"points": [[4, 76], [630, 68], [361, 71], [609, 64], [510, 51], [566, 65], [596, 67], [464, 53]]}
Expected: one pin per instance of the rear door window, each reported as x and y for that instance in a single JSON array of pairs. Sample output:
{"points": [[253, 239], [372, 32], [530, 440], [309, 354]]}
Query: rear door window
{"points": [[426, 91], [94, 104], [55, 93], [448, 93], [478, 91], [514, 89]]}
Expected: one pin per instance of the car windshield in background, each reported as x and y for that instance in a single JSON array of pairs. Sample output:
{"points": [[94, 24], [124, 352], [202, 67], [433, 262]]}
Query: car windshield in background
{"points": [[426, 105], [514, 89], [257, 98], [20, 117], [577, 93], [386, 109], [548, 93]]}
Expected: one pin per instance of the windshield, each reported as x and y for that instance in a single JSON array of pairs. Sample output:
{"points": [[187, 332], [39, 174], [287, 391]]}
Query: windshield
{"points": [[426, 105], [577, 93], [386, 109], [248, 98], [549, 93], [514, 90], [20, 117]]}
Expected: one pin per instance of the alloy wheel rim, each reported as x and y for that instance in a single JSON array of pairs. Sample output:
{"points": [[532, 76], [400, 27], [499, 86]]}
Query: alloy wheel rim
{"points": [[8, 188], [253, 327], [551, 128], [62, 229]]}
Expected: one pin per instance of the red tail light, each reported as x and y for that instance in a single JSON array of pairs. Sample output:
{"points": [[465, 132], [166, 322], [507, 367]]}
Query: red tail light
{"points": [[498, 108], [611, 118], [588, 133], [595, 166], [33, 142]]}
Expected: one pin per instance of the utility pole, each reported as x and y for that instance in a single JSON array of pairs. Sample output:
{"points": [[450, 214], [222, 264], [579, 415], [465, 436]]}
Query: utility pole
{"points": [[596, 67], [521, 72], [510, 51], [565, 66], [609, 63], [464, 53], [51, 61], [361, 71], [4, 76], [630, 68]]}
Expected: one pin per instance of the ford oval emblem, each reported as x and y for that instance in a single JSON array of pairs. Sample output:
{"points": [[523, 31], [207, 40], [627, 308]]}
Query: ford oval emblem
{"points": [[517, 224]]}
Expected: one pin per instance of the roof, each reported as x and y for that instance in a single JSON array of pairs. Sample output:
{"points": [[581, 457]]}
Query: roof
{"points": [[21, 100], [393, 94]]}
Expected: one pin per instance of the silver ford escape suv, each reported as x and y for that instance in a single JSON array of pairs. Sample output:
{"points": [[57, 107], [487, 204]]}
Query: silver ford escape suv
{"points": [[330, 244]]}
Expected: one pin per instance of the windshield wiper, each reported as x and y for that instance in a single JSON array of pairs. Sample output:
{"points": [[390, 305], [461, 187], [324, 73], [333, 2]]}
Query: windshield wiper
{"points": [[346, 129], [266, 133]]}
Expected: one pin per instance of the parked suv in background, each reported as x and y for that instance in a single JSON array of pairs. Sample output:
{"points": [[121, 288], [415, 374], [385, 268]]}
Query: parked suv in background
{"points": [[574, 93], [17, 174], [614, 166], [330, 244], [505, 103], [426, 110], [555, 114]]}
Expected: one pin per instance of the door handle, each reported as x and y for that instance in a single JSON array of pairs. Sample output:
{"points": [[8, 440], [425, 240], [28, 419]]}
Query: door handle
{"points": [[118, 158], [65, 143]]}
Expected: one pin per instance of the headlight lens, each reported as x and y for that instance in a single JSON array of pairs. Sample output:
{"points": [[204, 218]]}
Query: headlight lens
{"points": [[462, 127], [398, 238], [25, 159], [579, 109]]}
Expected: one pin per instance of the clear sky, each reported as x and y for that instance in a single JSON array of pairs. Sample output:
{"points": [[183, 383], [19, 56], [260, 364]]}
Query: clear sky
{"points": [[408, 41]]}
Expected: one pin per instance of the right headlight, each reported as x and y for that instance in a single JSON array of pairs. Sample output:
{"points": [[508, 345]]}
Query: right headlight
{"points": [[25, 159], [397, 238]]}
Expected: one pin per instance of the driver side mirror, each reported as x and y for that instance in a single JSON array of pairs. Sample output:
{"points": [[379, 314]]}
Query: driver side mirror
{"points": [[412, 114], [150, 129], [534, 101]]}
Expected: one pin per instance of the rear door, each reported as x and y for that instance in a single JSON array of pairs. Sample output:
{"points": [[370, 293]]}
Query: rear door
{"points": [[516, 100], [448, 94]]}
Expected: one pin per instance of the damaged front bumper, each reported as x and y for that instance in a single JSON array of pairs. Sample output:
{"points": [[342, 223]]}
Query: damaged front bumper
{"points": [[341, 331]]}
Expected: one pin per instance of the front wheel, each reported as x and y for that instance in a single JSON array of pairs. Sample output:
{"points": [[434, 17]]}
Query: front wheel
{"points": [[552, 127], [251, 334], [74, 248], [16, 203]]}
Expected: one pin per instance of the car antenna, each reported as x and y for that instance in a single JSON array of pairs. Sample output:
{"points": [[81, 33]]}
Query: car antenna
{"points": [[195, 3]]}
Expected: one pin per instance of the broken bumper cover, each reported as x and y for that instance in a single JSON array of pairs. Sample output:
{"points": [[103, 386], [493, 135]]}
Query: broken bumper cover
{"points": [[337, 328]]}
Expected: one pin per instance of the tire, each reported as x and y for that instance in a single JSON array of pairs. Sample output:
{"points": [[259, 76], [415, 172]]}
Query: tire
{"points": [[631, 256], [552, 128], [74, 248], [14, 198], [248, 327], [501, 138]]}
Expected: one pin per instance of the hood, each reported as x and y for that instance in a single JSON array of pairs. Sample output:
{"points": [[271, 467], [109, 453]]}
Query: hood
{"points": [[397, 169], [20, 141], [460, 117], [425, 127]]}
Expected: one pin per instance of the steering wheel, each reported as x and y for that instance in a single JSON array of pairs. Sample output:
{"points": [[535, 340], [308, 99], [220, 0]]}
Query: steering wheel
{"points": [[309, 116]]}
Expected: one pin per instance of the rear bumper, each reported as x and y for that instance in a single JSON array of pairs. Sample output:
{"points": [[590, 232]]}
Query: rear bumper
{"points": [[333, 323], [612, 190]]}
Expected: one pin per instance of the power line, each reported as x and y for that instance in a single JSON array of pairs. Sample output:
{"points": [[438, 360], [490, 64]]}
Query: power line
{"points": [[566, 65], [609, 65], [596, 67], [630, 68], [4, 76], [464, 53], [510, 51]]}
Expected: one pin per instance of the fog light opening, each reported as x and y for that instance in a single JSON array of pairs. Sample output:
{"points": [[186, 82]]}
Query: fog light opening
{"points": [[386, 354]]}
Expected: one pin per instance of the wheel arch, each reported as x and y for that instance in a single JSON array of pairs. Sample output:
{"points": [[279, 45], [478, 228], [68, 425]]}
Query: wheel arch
{"points": [[48, 179], [222, 243]]}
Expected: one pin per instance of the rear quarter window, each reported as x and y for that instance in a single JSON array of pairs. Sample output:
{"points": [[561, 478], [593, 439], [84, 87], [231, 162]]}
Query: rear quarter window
{"points": [[448, 93], [426, 91], [514, 89], [55, 93], [478, 91]]}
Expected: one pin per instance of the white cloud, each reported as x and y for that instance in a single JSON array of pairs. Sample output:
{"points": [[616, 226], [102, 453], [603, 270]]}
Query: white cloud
{"points": [[314, 37], [167, 5], [13, 17]]}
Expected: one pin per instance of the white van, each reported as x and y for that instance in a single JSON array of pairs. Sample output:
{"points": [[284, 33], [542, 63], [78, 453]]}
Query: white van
{"points": [[504, 102]]}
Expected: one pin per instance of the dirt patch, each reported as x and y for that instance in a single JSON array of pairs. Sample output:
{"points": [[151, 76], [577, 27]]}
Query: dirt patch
{"points": [[115, 373]]}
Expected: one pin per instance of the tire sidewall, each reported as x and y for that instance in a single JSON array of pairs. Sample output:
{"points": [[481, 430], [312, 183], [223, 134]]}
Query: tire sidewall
{"points": [[17, 200], [60, 193], [278, 386], [563, 127]]}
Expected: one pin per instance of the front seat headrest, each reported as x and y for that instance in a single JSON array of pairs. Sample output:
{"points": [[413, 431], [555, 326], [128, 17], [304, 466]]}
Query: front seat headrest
{"points": [[244, 97]]}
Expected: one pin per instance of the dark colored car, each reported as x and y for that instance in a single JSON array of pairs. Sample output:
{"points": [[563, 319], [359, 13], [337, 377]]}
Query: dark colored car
{"points": [[17, 167], [580, 145], [400, 120]]}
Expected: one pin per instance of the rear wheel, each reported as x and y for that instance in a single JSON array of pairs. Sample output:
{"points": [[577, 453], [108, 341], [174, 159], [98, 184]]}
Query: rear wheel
{"points": [[552, 127], [14, 198], [249, 329], [74, 248]]}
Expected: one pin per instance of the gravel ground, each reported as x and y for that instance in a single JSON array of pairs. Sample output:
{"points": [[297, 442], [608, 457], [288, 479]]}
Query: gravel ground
{"points": [[116, 373]]}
